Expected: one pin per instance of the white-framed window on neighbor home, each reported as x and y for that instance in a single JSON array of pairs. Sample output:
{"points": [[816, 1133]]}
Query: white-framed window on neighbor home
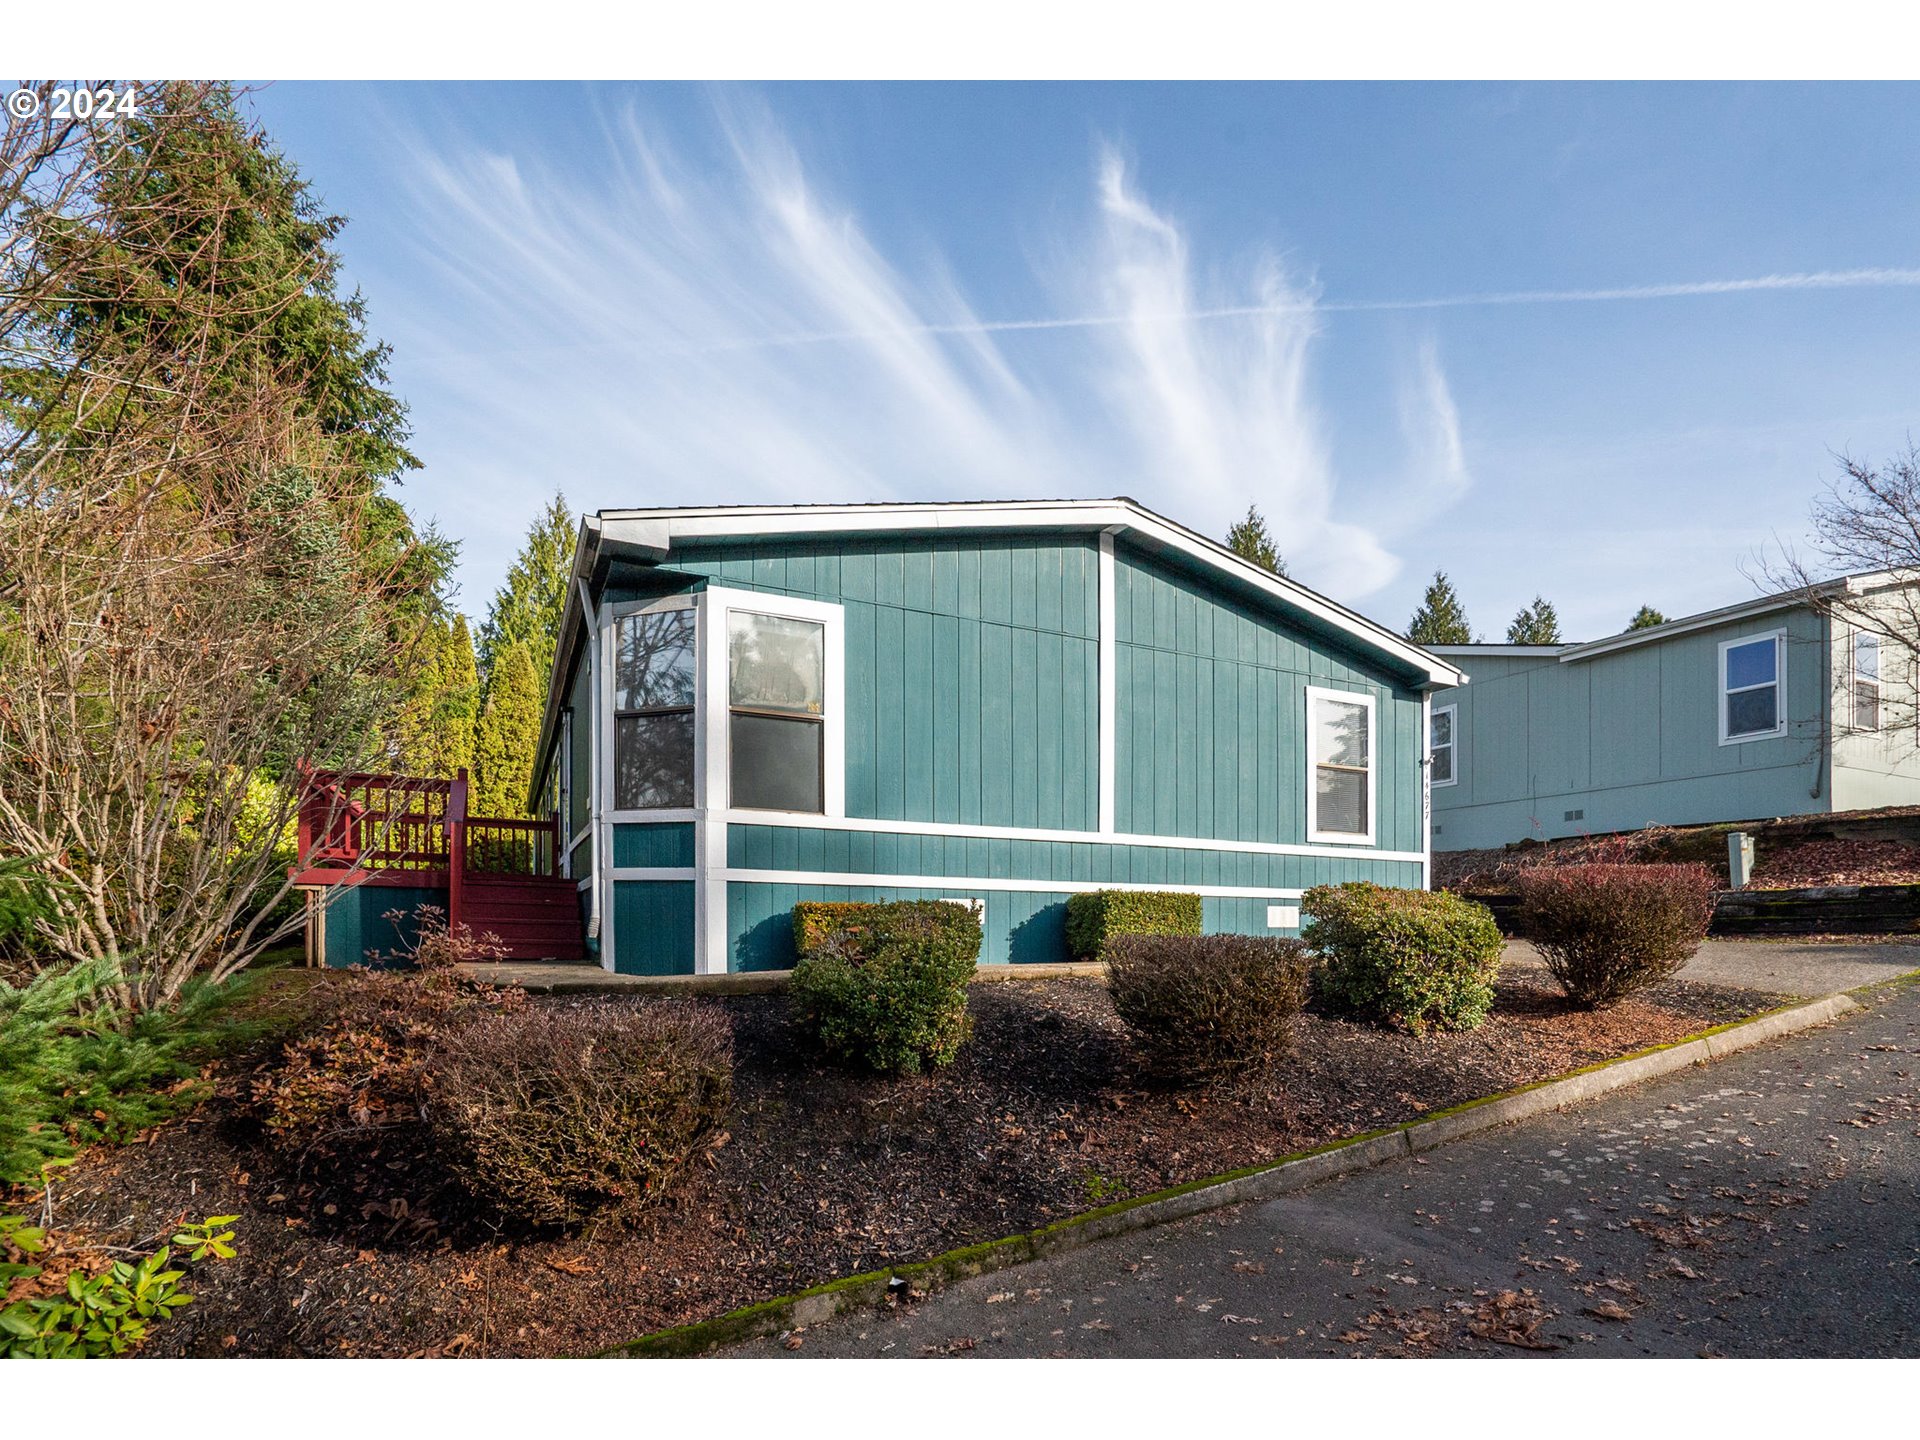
{"points": [[1340, 766], [779, 717], [1752, 688], [1865, 687], [1442, 747], [654, 688]]}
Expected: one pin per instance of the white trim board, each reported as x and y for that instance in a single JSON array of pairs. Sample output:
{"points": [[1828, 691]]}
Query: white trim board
{"points": [[1358, 850], [962, 882]]}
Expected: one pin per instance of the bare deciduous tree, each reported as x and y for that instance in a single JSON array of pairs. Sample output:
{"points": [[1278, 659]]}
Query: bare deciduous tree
{"points": [[1862, 572], [186, 608]]}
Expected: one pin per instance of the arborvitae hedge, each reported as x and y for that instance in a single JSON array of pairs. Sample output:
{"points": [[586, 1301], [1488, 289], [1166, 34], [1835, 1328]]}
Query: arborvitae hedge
{"points": [[1094, 919]]}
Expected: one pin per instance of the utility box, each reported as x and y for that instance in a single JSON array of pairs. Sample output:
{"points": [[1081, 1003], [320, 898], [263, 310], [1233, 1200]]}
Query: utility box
{"points": [[1739, 860]]}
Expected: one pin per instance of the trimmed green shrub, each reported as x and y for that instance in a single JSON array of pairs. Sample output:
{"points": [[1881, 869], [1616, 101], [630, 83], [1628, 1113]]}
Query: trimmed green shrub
{"points": [[1606, 931], [558, 1114], [815, 920], [890, 992], [1416, 960], [1203, 1006], [1094, 919]]}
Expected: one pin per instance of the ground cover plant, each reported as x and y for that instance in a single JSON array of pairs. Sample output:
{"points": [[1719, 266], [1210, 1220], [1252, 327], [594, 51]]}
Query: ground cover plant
{"points": [[366, 1249], [1200, 1007], [889, 991], [1097, 917], [1416, 960], [1606, 931]]}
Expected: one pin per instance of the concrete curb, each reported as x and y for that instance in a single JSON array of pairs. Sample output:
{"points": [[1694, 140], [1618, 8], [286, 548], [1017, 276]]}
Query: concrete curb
{"points": [[1264, 1182]]}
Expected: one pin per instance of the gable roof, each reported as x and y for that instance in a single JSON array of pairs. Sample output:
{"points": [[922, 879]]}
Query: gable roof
{"points": [[1858, 584], [649, 535]]}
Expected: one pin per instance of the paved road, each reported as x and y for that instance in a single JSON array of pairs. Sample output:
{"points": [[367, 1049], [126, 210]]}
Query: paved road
{"points": [[1766, 1205]]}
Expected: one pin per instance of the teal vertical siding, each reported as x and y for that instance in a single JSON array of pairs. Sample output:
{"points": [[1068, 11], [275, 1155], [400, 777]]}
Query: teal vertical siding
{"points": [[580, 754], [653, 927], [652, 846], [1211, 732], [972, 670], [356, 924], [1627, 739]]}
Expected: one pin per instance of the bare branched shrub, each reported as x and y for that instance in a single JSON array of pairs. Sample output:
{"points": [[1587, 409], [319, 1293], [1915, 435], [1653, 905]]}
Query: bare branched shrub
{"points": [[201, 583], [557, 1115], [1606, 931]]}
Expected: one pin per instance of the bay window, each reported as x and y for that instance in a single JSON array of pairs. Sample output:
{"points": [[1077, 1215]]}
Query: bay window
{"points": [[653, 719], [776, 693]]}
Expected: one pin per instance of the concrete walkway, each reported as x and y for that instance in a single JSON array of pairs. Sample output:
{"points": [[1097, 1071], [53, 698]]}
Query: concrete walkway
{"points": [[1766, 1205]]}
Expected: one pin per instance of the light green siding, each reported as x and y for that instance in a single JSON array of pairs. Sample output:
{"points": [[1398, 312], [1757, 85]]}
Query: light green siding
{"points": [[1618, 741]]}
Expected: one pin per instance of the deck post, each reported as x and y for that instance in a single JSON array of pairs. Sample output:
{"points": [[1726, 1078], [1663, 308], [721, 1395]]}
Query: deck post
{"points": [[456, 848]]}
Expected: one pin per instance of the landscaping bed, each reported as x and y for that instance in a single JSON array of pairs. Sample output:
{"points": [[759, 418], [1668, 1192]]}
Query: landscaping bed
{"points": [[371, 1249]]}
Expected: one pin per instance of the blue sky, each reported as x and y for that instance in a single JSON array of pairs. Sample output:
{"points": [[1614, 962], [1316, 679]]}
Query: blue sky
{"points": [[674, 294]]}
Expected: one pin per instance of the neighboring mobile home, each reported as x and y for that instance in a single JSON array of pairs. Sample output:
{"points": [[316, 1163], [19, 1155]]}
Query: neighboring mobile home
{"points": [[1768, 708], [998, 703]]}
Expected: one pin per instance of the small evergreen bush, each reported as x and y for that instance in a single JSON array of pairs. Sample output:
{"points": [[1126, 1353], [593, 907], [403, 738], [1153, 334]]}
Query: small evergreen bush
{"points": [[1095, 918], [1416, 960], [76, 1069], [1203, 1006], [560, 1114], [890, 992], [1606, 931]]}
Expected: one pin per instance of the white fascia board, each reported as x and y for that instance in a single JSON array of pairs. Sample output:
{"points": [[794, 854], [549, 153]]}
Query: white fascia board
{"points": [[1706, 620], [643, 528]]}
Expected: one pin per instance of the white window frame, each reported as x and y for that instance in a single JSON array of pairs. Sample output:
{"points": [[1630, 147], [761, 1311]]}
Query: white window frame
{"points": [[1779, 638], [1315, 694], [716, 712], [1452, 712], [1855, 680]]}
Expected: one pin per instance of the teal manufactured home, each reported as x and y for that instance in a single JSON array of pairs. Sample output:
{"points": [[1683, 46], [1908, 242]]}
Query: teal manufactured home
{"points": [[996, 703], [1784, 705]]}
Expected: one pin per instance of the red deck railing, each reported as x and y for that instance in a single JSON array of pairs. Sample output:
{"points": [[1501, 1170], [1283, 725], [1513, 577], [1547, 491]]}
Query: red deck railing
{"points": [[405, 829]]}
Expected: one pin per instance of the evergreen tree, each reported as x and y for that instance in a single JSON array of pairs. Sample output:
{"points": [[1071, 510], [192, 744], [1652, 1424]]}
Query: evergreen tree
{"points": [[1536, 624], [435, 732], [1250, 541], [1646, 618], [507, 732], [526, 610], [1441, 618]]}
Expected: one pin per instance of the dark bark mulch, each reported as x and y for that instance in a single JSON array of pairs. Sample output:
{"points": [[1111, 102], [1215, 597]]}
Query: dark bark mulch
{"points": [[370, 1250]]}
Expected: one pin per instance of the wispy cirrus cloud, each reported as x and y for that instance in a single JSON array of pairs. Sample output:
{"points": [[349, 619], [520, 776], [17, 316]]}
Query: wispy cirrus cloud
{"points": [[663, 333]]}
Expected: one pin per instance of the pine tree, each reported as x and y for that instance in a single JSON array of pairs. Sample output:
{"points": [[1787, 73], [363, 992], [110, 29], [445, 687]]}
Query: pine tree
{"points": [[526, 610], [1536, 624], [435, 734], [1441, 618], [505, 737], [1646, 618], [1250, 541]]}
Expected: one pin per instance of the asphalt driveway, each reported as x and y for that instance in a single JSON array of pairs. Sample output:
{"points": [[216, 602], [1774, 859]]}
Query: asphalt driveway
{"points": [[1767, 1205]]}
